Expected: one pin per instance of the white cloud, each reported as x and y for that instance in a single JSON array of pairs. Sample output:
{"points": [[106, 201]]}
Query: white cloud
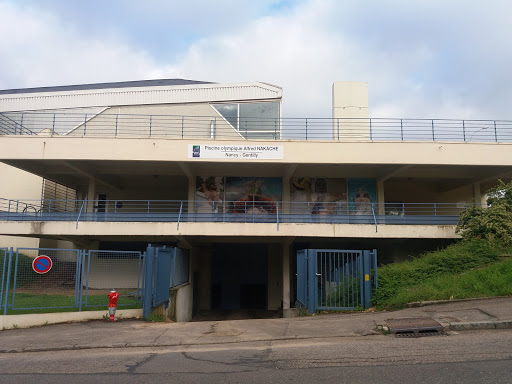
{"points": [[39, 50], [432, 59]]}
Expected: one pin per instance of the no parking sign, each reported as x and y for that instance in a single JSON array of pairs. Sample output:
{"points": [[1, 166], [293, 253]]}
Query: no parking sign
{"points": [[42, 264]]}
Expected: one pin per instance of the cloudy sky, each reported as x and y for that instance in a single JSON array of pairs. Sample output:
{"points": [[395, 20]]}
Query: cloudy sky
{"points": [[421, 58]]}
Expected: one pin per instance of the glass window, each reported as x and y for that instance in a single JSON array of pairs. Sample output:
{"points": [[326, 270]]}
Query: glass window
{"points": [[229, 112], [253, 120]]}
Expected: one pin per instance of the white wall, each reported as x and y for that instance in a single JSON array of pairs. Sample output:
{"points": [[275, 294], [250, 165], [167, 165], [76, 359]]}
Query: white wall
{"points": [[17, 184]]}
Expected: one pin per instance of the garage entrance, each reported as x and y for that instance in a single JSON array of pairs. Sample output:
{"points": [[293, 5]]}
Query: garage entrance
{"points": [[239, 277]]}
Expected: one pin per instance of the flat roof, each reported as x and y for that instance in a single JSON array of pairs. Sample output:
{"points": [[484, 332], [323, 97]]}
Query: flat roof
{"points": [[121, 84]]}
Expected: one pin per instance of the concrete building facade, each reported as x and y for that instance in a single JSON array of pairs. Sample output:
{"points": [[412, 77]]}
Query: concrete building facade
{"points": [[216, 169]]}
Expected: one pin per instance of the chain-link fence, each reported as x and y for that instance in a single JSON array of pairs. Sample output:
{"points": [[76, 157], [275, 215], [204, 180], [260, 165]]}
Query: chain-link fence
{"points": [[112, 270], [47, 280], [54, 280]]}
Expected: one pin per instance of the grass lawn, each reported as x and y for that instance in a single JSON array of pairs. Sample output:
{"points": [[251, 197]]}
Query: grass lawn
{"points": [[94, 303], [462, 270]]}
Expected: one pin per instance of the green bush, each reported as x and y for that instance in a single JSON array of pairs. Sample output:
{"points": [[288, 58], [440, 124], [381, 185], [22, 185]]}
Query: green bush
{"points": [[493, 223], [453, 260]]}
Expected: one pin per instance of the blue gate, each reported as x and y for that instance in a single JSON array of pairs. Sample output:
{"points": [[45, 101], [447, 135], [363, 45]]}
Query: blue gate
{"points": [[330, 279], [157, 281]]}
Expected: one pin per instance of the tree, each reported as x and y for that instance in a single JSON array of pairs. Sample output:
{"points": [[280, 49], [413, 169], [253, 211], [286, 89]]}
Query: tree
{"points": [[493, 223]]}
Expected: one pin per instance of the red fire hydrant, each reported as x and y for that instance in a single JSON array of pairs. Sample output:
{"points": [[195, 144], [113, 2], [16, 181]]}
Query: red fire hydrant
{"points": [[113, 296]]}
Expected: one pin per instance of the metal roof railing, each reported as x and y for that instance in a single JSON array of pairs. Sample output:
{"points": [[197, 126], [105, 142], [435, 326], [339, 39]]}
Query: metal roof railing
{"points": [[215, 127]]}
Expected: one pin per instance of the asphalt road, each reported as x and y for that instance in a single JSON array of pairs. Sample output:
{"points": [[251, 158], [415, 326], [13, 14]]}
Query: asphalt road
{"points": [[468, 357]]}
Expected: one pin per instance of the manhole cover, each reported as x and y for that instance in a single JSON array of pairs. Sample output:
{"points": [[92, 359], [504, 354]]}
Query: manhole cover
{"points": [[414, 327]]}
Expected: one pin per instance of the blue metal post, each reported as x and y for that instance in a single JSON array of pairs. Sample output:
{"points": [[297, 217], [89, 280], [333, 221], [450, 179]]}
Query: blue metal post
{"points": [[85, 123], [182, 124], [463, 130], [77, 277], [150, 120], [139, 283], [367, 284], [8, 282], [433, 133], [311, 257], [277, 214], [15, 276], [3, 278], [81, 258], [116, 124], [495, 132], [21, 125], [53, 126], [148, 281], [306, 129], [375, 279], [179, 216], [371, 129], [401, 129]]}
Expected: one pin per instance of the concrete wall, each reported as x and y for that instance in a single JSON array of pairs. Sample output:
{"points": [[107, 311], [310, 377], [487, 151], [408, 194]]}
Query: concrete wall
{"points": [[183, 303], [350, 101], [17, 184], [161, 120], [113, 272]]}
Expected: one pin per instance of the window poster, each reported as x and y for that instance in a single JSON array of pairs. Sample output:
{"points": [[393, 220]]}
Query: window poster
{"points": [[254, 195], [361, 194], [209, 194], [317, 195]]}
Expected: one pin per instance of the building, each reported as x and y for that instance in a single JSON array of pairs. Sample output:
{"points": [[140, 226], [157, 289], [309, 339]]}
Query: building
{"points": [[215, 168]]}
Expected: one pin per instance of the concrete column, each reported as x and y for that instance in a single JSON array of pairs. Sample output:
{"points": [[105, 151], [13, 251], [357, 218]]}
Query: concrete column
{"points": [[91, 194], [286, 280], [380, 197], [480, 198], [191, 193], [286, 196]]}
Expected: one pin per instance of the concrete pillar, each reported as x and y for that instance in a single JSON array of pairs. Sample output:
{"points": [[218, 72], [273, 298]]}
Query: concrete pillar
{"points": [[91, 194], [380, 197], [350, 110], [191, 193], [286, 196], [480, 198], [286, 280]]}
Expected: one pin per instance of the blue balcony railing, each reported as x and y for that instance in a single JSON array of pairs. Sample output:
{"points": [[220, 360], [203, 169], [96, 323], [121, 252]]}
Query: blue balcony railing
{"points": [[215, 127], [182, 211]]}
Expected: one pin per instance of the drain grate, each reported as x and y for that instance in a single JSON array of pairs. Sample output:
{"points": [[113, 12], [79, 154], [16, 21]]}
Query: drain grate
{"points": [[415, 327]]}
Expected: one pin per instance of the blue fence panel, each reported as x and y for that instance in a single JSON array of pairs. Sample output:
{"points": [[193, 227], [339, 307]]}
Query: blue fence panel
{"points": [[106, 270], [56, 288]]}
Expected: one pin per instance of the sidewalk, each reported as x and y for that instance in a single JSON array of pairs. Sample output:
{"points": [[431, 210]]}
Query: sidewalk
{"points": [[472, 314]]}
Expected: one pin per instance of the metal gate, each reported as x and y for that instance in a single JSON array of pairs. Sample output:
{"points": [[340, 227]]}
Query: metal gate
{"points": [[335, 279], [157, 272]]}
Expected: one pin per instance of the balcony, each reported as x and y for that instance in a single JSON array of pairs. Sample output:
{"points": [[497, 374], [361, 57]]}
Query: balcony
{"points": [[254, 212]]}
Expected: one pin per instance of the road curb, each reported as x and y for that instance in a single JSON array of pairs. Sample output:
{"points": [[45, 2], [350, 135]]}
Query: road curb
{"points": [[416, 304], [487, 324]]}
